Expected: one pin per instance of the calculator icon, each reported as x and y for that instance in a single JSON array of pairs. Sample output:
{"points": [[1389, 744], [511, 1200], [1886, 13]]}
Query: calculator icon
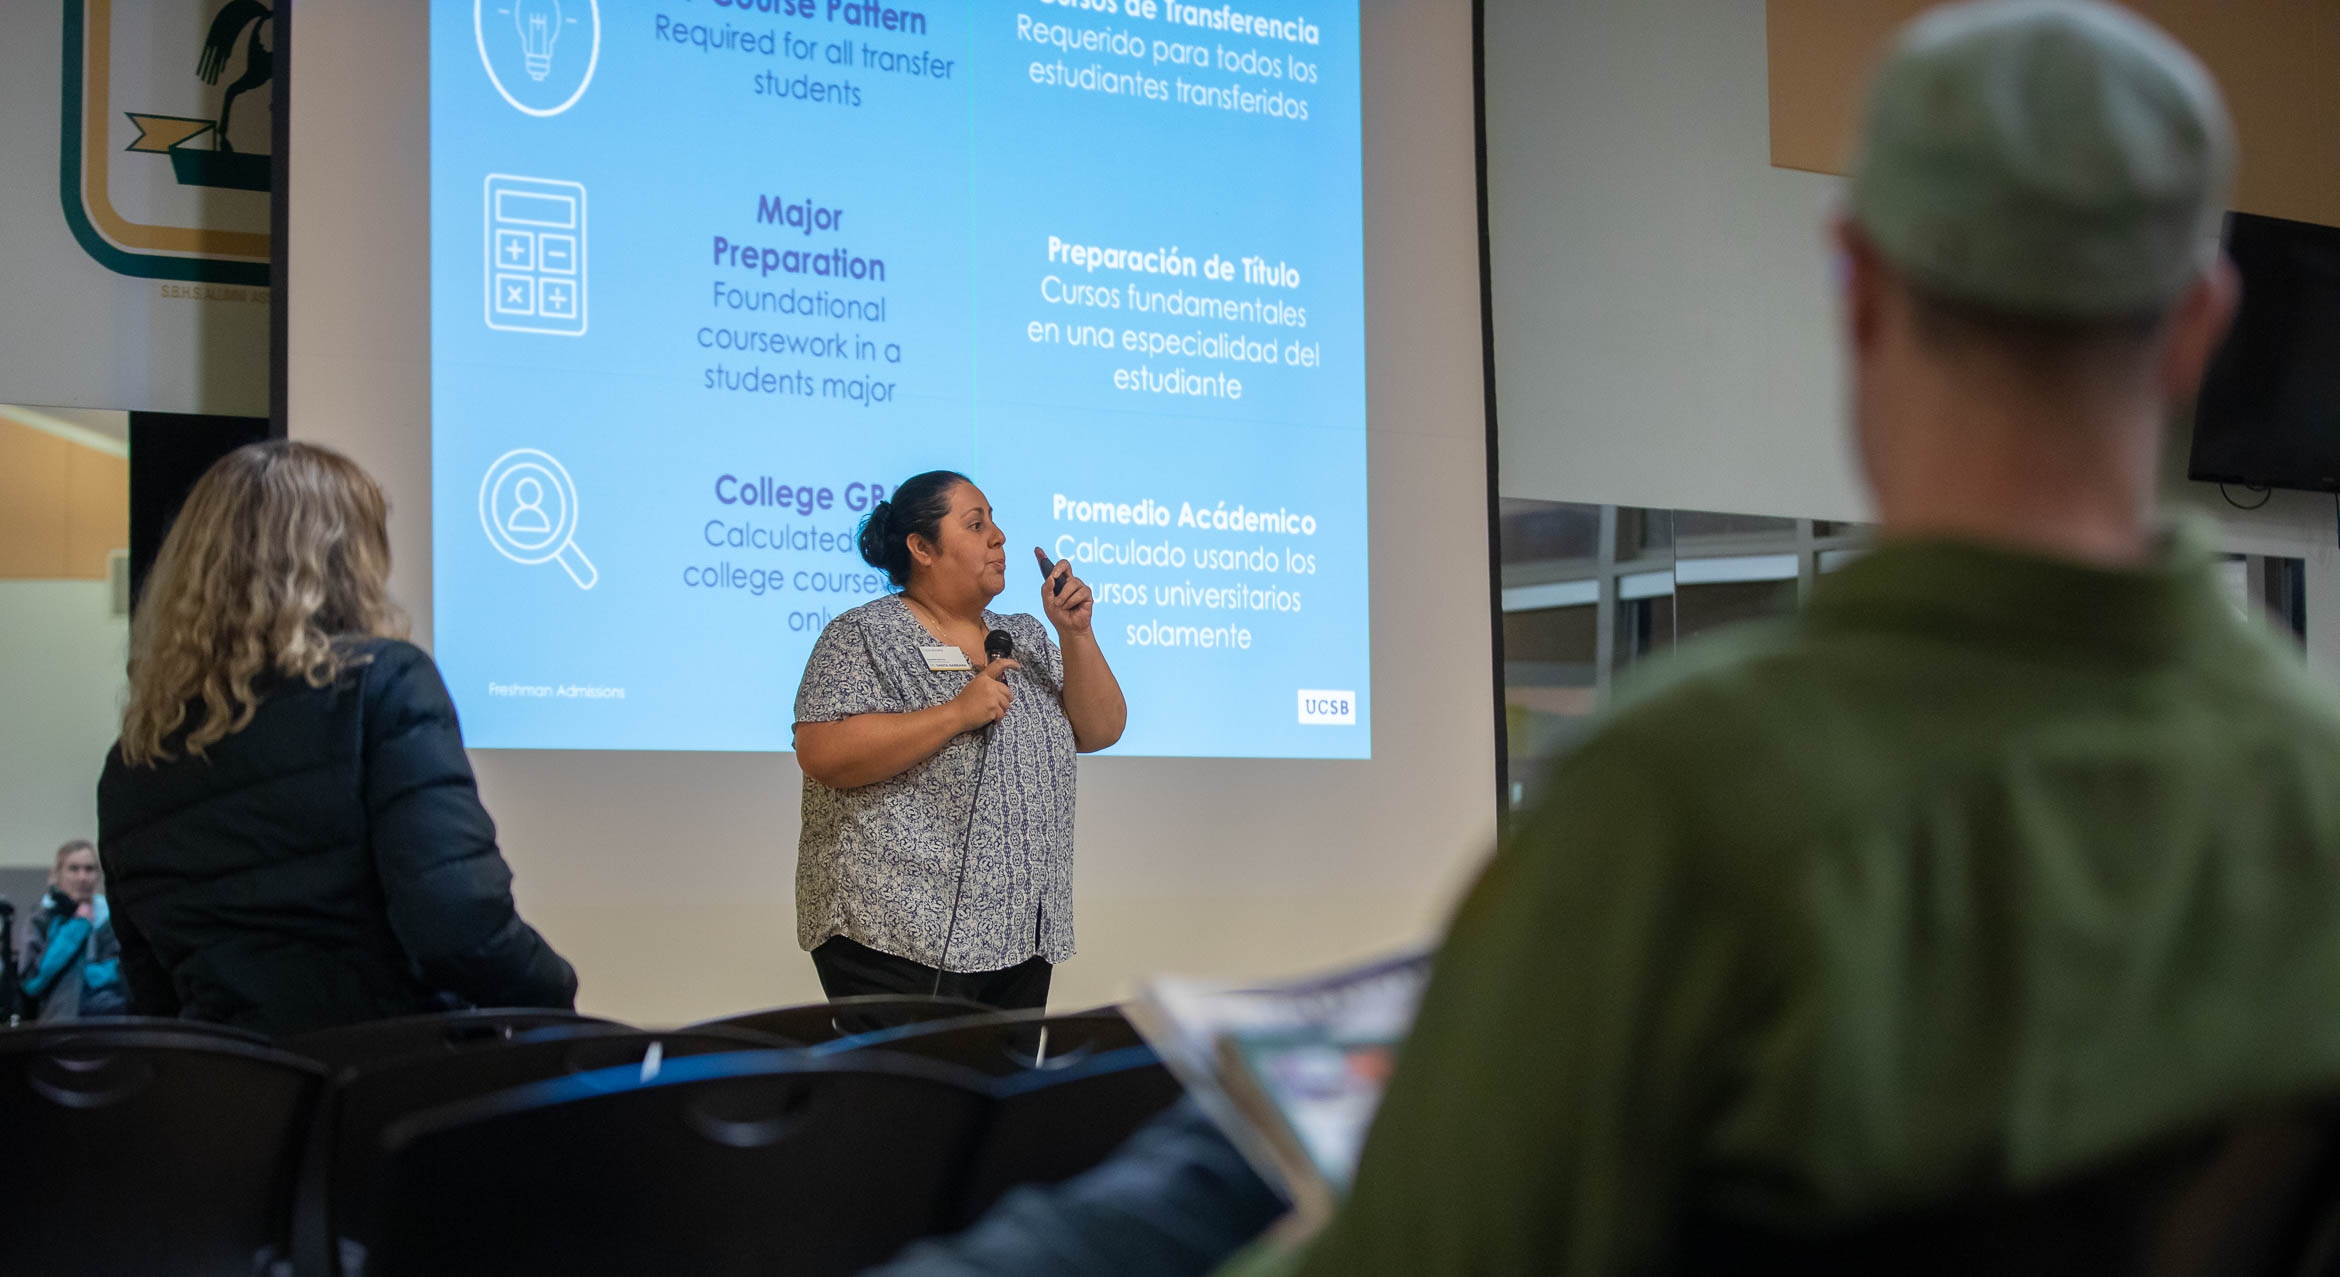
{"points": [[535, 255]]}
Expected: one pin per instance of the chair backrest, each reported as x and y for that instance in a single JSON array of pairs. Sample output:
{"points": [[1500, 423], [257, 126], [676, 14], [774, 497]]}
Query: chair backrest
{"points": [[366, 1100], [141, 1151], [439, 1034], [1069, 1089], [1048, 1125], [83, 1026], [766, 1162], [817, 1022], [2260, 1198], [1004, 1043]]}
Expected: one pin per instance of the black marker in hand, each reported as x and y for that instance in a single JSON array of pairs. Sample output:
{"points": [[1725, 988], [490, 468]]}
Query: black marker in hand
{"points": [[1048, 570]]}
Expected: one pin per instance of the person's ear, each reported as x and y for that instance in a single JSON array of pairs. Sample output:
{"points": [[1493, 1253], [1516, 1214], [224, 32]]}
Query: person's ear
{"points": [[1860, 279], [2197, 326], [922, 551]]}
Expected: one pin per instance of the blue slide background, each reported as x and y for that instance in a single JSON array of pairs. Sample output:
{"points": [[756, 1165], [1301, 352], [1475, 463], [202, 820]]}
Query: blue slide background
{"points": [[956, 183]]}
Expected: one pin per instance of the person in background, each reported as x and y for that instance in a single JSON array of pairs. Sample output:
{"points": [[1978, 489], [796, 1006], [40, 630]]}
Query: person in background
{"points": [[289, 823], [72, 963], [2017, 851], [917, 872]]}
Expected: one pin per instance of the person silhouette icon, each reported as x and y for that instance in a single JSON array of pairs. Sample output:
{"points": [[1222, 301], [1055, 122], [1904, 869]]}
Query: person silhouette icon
{"points": [[528, 518], [528, 508]]}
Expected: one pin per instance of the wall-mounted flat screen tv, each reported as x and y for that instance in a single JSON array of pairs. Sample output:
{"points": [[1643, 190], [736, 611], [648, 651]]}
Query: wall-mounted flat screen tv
{"points": [[2269, 413]]}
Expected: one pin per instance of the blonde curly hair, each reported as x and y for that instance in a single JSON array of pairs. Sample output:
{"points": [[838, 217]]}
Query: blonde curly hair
{"points": [[280, 555]]}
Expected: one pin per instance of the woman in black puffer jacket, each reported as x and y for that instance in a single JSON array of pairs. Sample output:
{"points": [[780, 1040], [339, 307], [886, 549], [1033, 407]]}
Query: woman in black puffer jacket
{"points": [[291, 835]]}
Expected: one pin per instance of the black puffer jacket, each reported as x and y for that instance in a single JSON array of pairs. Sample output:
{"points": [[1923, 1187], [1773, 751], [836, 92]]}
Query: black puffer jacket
{"points": [[329, 863]]}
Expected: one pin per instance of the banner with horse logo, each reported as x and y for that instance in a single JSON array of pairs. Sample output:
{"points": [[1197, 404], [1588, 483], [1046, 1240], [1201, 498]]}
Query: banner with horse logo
{"points": [[134, 203], [164, 158]]}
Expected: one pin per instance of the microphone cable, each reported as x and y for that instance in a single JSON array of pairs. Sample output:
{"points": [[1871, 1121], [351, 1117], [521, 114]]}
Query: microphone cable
{"points": [[966, 849], [996, 645]]}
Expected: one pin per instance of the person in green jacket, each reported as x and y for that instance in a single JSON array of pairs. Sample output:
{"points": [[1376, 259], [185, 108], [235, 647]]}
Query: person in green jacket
{"points": [[2018, 850]]}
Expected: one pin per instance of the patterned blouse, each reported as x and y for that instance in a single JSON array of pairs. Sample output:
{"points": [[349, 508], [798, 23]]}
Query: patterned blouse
{"points": [[878, 864]]}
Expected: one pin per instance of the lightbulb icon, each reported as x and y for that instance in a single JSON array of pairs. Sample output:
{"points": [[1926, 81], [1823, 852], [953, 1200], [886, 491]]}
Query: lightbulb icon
{"points": [[567, 29], [539, 22]]}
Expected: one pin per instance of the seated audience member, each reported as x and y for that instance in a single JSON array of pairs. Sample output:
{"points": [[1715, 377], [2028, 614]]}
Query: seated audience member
{"points": [[72, 963], [289, 823], [2017, 850]]}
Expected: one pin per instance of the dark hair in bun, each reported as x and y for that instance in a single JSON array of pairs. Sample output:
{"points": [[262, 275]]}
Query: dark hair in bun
{"points": [[918, 506]]}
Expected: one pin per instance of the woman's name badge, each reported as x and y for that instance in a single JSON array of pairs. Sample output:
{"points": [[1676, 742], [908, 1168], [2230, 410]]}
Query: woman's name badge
{"points": [[939, 659]]}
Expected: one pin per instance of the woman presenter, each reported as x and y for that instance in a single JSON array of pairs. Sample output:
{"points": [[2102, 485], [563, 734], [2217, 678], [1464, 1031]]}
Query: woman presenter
{"points": [[937, 852]]}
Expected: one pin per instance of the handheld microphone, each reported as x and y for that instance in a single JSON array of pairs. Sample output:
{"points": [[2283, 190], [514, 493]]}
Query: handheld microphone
{"points": [[997, 645]]}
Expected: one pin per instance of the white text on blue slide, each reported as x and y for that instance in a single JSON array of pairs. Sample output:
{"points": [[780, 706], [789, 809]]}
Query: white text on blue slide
{"points": [[709, 277]]}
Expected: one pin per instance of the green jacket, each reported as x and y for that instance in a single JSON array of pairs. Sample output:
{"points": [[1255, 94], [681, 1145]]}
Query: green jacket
{"points": [[1983, 867]]}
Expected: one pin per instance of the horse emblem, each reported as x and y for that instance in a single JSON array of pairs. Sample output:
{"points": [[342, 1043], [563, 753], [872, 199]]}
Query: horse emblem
{"points": [[165, 157], [220, 44]]}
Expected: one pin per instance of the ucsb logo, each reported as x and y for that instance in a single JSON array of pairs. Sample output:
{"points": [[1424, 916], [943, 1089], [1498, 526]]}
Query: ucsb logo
{"points": [[1328, 708]]}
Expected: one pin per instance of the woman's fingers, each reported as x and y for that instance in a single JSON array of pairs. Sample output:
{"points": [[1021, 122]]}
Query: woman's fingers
{"points": [[1072, 609], [1056, 593], [986, 696]]}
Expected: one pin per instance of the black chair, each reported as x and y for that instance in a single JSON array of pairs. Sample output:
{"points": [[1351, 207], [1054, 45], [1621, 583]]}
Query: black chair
{"points": [[137, 1151], [2260, 1198], [766, 1162], [346, 1159], [199, 1030], [1069, 1089], [1047, 1126], [437, 1034], [1003, 1043], [817, 1022]]}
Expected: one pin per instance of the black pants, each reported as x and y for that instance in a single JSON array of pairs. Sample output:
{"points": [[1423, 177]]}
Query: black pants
{"points": [[850, 970]]}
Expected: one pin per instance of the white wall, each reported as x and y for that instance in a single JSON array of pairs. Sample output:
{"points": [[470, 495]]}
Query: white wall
{"points": [[667, 877], [60, 705], [1663, 316]]}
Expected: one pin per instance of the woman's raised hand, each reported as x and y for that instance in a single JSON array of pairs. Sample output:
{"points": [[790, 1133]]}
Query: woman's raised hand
{"points": [[1065, 597]]}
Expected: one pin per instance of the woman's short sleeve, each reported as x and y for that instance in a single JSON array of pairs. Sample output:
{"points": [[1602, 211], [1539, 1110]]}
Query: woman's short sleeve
{"points": [[1035, 641], [840, 678]]}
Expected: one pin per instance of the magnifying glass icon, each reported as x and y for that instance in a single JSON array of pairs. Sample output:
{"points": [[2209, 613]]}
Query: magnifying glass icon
{"points": [[528, 505]]}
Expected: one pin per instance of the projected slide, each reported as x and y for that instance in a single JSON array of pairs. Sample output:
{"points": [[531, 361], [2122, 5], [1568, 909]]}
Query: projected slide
{"points": [[708, 276]]}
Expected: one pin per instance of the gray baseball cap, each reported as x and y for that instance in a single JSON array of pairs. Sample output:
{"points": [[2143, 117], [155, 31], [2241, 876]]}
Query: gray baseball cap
{"points": [[2058, 159]]}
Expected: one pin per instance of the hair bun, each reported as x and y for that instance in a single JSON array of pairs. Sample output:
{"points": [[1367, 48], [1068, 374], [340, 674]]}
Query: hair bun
{"points": [[877, 529], [916, 509]]}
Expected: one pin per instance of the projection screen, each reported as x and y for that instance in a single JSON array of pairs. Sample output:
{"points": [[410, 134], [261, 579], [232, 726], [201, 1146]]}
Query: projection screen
{"points": [[636, 309]]}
